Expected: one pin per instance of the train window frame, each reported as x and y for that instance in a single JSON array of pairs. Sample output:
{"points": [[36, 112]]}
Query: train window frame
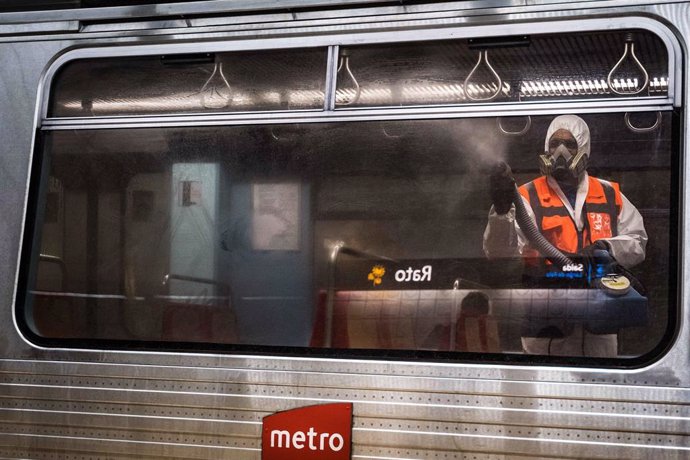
{"points": [[331, 113]]}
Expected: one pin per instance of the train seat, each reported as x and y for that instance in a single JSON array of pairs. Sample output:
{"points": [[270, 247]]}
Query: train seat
{"points": [[404, 320]]}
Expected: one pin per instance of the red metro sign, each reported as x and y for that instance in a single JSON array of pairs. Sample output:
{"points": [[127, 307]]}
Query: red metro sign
{"points": [[321, 432]]}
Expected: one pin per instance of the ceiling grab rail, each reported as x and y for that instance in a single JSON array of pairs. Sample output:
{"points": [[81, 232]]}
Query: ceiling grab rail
{"points": [[629, 49], [522, 132], [636, 129], [211, 98], [483, 55], [345, 63]]}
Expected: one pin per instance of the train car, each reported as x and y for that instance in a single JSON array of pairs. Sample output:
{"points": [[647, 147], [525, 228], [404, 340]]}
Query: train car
{"points": [[357, 229]]}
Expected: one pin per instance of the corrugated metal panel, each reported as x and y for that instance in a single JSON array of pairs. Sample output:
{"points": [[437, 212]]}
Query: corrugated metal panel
{"points": [[178, 412]]}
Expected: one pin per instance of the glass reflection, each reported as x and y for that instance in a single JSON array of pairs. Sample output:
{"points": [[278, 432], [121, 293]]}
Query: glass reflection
{"points": [[367, 235]]}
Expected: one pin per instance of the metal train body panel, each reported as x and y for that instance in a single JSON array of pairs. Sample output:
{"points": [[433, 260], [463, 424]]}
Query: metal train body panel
{"points": [[59, 402]]}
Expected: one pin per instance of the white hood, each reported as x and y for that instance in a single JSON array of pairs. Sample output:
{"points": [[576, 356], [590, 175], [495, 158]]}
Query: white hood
{"points": [[577, 127]]}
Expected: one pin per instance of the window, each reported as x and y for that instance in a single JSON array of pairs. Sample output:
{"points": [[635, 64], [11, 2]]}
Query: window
{"points": [[373, 237], [201, 83], [528, 68]]}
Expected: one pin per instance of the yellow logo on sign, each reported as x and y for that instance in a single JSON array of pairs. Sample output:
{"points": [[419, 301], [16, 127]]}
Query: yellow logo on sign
{"points": [[376, 274]]}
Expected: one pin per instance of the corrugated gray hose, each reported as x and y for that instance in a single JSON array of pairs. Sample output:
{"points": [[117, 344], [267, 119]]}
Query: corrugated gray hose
{"points": [[529, 228]]}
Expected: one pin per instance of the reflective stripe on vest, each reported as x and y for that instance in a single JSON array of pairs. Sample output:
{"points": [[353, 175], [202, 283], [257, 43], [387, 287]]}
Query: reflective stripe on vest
{"points": [[602, 205]]}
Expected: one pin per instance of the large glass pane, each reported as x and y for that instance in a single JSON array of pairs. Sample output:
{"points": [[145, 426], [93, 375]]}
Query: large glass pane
{"points": [[536, 67], [368, 236], [220, 82]]}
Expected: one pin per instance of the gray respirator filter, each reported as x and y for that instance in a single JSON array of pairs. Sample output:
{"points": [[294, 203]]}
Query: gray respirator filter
{"points": [[576, 165]]}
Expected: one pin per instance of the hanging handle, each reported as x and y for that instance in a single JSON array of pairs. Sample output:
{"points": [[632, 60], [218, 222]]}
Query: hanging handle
{"points": [[483, 55], [345, 63], [209, 95], [629, 49], [636, 129], [522, 132]]}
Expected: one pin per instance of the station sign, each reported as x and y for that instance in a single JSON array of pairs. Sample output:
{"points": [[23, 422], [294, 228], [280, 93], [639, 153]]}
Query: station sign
{"points": [[356, 274], [322, 432], [375, 274]]}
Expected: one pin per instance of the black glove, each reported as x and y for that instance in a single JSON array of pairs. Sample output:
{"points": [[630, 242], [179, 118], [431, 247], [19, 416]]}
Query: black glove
{"points": [[592, 257], [598, 245], [502, 185]]}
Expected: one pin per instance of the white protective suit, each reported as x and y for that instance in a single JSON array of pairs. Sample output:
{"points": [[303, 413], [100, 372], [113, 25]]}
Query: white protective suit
{"points": [[503, 238]]}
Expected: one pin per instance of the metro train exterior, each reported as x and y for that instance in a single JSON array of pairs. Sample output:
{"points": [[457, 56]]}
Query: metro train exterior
{"points": [[217, 212]]}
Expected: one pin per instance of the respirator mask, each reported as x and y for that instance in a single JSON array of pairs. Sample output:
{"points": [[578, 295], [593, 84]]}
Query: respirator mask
{"points": [[563, 160]]}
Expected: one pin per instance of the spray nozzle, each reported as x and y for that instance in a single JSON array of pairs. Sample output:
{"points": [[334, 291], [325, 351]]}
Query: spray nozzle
{"points": [[501, 168]]}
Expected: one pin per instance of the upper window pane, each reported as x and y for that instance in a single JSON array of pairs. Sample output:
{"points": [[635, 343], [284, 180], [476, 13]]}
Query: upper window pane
{"points": [[220, 82], [539, 67]]}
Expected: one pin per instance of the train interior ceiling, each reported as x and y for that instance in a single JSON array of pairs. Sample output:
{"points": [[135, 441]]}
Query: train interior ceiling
{"points": [[248, 234]]}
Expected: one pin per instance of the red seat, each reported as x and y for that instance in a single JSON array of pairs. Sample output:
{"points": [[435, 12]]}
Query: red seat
{"points": [[387, 320]]}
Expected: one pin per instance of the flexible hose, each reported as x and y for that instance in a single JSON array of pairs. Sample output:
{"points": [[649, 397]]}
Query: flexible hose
{"points": [[529, 228]]}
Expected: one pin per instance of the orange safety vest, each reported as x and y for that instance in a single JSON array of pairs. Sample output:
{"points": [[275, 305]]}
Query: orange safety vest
{"points": [[602, 206]]}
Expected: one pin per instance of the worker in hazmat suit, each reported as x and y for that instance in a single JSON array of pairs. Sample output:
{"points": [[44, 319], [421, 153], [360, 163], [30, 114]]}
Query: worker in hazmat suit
{"points": [[577, 213]]}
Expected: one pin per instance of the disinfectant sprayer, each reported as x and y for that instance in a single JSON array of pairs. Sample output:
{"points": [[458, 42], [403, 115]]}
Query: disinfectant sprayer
{"points": [[606, 274]]}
